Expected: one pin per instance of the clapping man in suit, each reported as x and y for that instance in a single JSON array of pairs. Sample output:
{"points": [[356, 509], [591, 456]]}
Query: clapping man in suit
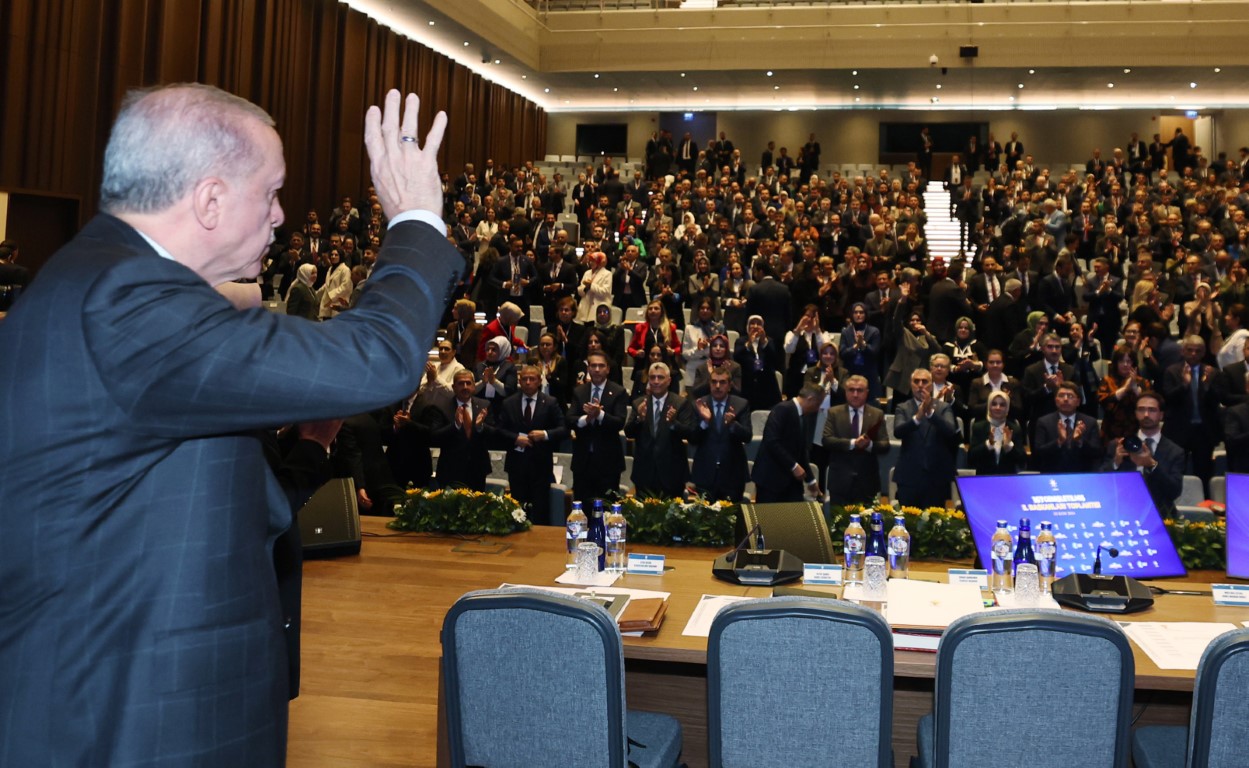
{"points": [[596, 418], [929, 435], [1192, 415], [1041, 379], [723, 429], [1159, 460], [463, 431], [1066, 440], [529, 425], [137, 631], [659, 426], [855, 440], [782, 469]]}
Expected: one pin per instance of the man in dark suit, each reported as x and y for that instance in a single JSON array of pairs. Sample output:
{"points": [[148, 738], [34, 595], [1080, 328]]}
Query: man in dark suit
{"points": [[1103, 292], [1192, 415], [464, 430], [1056, 295], [1066, 440], [719, 470], [1004, 317], [929, 436], [1041, 379], [513, 274], [1160, 461], [141, 616], [855, 437], [660, 424], [686, 154], [782, 469], [953, 179], [557, 279], [596, 418], [529, 425], [1236, 436], [947, 301], [771, 300]]}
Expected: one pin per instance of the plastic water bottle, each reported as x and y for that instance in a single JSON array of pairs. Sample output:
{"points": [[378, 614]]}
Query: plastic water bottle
{"points": [[899, 549], [598, 533], [855, 542], [1003, 550], [576, 529], [876, 544], [617, 540], [1046, 549], [1023, 547]]}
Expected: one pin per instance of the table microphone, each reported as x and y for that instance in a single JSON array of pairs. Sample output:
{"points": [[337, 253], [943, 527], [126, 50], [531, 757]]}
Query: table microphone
{"points": [[1097, 561], [758, 529]]}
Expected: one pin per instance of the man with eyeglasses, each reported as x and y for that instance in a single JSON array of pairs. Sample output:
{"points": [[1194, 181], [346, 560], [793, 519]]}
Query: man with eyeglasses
{"points": [[1159, 460], [929, 435]]}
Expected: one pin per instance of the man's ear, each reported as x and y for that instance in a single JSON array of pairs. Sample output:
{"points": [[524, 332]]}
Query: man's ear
{"points": [[207, 202]]}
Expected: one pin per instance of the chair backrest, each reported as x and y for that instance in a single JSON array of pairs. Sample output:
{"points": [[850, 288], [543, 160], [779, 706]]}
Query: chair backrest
{"points": [[799, 681], [524, 669], [1063, 682], [1218, 734], [799, 528]]}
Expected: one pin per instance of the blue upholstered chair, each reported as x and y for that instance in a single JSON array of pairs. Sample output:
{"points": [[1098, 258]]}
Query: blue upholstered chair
{"points": [[1218, 732], [1042, 688], [799, 681], [535, 678]]}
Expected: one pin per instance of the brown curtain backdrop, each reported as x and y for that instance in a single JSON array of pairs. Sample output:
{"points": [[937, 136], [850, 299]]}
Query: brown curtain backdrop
{"points": [[315, 65]]}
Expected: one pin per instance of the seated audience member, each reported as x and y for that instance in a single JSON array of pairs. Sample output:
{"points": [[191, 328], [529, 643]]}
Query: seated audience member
{"points": [[463, 432], [1117, 395], [721, 434], [929, 439], [854, 438], [760, 360], [997, 441], [1066, 440], [1160, 461]]}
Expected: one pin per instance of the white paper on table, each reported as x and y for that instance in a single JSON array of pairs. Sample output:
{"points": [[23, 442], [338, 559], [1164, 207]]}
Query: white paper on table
{"points": [[914, 603], [1174, 644], [1007, 600], [633, 594], [601, 578], [699, 624]]}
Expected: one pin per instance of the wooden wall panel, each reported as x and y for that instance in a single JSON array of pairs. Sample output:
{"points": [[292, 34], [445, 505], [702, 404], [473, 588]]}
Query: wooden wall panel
{"points": [[314, 64]]}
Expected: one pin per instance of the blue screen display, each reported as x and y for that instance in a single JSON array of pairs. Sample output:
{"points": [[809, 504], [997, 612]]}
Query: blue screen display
{"points": [[1111, 508], [1238, 525]]}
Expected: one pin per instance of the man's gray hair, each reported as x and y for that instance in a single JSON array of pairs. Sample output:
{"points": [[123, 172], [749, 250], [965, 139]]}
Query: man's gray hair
{"points": [[168, 138]]}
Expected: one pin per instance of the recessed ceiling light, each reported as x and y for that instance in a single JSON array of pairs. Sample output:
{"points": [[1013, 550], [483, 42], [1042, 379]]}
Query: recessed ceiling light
{"points": [[497, 61], [1110, 85], [1012, 98], [769, 73], [1032, 71], [566, 101], [776, 87], [1192, 85], [935, 100], [696, 87], [856, 86], [431, 23], [546, 90], [595, 75], [856, 98], [1127, 70], [524, 77], [682, 74], [854, 72], [1021, 86], [615, 90], [938, 86], [466, 43], [1218, 70]]}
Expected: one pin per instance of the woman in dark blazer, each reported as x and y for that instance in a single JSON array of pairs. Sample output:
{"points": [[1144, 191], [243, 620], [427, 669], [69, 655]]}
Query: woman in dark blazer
{"points": [[760, 359], [996, 440]]}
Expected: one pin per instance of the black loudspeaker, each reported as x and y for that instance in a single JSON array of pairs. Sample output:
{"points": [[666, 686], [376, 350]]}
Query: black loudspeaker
{"points": [[799, 528], [329, 523], [1102, 594], [968, 51]]}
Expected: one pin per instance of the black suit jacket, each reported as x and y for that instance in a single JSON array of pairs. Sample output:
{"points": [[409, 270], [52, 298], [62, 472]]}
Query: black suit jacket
{"points": [[771, 300], [510, 422], [1038, 399], [926, 461], [597, 449], [986, 460], [1164, 481], [659, 459], [785, 443], [1081, 455], [1229, 387], [1179, 424], [853, 475], [1002, 320], [464, 460], [1236, 436], [720, 458]]}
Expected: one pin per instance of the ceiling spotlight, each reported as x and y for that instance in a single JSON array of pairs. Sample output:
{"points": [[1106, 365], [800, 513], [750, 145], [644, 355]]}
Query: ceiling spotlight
{"points": [[856, 86], [1032, 71], [682, 74], [615, 90], [497, 61], [769, 73], [1127, 70], [546, 90], [1192, 85], [1012, 98], [1218, 70], [524, 77], [938, 86], [431, 23], [935, 100], [1021, 86], [856, 98], [595, 75], [466, 43], [696, 87], [1110, 85], [776, 87], [854, 72]]}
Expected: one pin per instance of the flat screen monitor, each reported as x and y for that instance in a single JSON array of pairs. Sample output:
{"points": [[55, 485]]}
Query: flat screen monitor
{"points": [[1238, 525], [1111, 508]]}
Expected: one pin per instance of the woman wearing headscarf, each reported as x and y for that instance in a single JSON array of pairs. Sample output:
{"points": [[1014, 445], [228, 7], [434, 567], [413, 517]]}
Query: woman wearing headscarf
{"points": [[734, 290], [300, 299], [860, 350], [595, 287], [996, 440], [337, 288], [966, 355], [696, 340], [915, 347], [760, 359], [718, 358], [503, 325], [703, 285], [802, 344], [496, 376], [1025, 348]]}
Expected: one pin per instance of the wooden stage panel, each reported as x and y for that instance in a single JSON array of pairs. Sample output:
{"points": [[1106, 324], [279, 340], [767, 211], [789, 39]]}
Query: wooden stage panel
{"points": [[371, 648]]}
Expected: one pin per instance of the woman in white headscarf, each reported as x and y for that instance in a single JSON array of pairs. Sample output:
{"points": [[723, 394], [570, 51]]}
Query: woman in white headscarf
{"points": [[300, 299], [996, 440]]}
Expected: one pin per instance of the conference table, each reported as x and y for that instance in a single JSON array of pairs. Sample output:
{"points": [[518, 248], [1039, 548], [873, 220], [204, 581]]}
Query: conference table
{"points": [[396, 591]]}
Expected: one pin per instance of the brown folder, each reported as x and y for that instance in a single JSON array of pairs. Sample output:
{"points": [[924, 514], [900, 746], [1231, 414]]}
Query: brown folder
{"points": [[643, 615]]}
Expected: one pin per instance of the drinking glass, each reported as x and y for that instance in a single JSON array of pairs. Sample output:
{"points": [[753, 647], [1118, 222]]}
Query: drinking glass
{"points": [[875, 571], [1027, 586]]}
